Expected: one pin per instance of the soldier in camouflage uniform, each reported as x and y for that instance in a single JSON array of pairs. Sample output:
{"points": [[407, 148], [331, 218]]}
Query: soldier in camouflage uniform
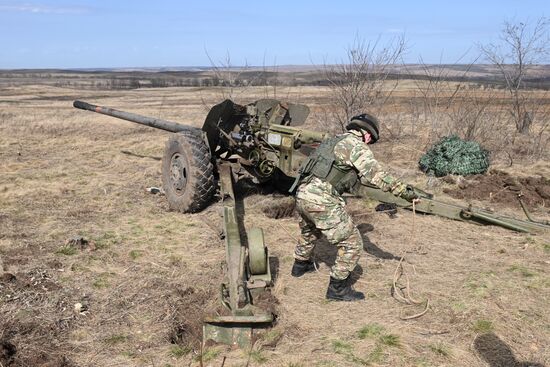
{"points": [[335, 167]]}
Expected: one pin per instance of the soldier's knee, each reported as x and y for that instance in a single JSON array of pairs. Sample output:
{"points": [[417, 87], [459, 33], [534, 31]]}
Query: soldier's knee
{"points": [[346, 232]]}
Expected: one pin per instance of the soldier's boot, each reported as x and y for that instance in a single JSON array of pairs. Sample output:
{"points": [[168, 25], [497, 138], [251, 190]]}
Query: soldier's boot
{"points": [[341, 290], [301, 267]]}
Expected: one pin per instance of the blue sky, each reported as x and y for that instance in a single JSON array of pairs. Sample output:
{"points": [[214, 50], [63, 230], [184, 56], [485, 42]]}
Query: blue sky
{"points": [[124, 33]]}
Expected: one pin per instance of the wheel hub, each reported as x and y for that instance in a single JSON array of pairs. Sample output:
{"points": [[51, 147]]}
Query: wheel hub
{"points": [[178, 172]]}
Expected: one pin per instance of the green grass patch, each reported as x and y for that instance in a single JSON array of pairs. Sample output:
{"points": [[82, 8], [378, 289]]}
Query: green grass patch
{"points": [[67, 251], [102, 281], [107, 240], [482, 326], [209, 354], [137, 229], [272, 336], [346, 349], [546, 247], [377, 355], [391, 340], [135, 254], [370, 331], [115, 339], [478, 285], [257, 356], [129, 354], [341, 347], [376, 331], [441, 349], [525, 272], [177, 351]]}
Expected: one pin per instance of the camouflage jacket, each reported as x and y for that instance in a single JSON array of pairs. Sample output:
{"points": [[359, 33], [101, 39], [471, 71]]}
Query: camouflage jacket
{"points": [[351, 152]]}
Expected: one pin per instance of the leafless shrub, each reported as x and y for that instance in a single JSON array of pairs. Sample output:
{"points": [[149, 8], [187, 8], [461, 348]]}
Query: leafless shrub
{"points": [[228, 77], [523, 45], [358, 82], [472, 116], [539, 137], [394, 126], [234, 82], [438, 89]]}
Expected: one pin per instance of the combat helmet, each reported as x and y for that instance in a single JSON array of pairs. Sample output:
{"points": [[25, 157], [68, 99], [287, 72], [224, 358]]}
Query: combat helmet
{"points": [[365, 122]]}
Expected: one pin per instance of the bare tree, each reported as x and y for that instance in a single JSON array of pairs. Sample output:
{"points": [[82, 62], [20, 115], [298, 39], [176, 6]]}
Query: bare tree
{"points": [[233, 82], [357, 82], [441, 88], [472, 116], [522, 46], [227, 76]]}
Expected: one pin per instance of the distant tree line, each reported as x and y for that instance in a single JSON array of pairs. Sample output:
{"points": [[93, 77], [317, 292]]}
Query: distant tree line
{"points": [[136, 80]]}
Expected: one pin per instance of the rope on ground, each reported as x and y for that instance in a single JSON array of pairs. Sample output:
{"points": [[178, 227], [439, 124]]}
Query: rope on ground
{"points": [[403, 293], [288, 233]]}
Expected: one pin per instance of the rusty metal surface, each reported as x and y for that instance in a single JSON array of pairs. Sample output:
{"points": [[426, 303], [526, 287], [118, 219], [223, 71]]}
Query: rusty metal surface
{"points": [[133, 117]]}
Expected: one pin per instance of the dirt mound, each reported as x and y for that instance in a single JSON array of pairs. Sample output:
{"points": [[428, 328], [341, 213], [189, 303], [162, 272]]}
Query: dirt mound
{"points": [[192, 305], [7, 352], [23, 344], [31, 295], [502, 188]]}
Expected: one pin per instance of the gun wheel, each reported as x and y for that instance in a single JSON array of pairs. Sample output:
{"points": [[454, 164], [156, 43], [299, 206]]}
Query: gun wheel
{"points": [[257, 256], [187, 172]]}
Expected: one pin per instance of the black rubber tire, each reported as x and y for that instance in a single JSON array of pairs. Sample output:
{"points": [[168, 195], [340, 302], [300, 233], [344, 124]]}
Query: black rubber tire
{"points": [[187, 172]]}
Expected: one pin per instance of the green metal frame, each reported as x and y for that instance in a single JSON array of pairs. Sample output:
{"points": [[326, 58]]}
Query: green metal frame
{"points": [[247, 275], [468, 213]]}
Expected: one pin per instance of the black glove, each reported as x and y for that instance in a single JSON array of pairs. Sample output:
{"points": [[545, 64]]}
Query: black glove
{"points": [[409, 194]]}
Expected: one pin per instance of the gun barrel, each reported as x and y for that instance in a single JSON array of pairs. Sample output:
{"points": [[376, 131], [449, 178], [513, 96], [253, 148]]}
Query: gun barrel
{"points": [[139, 119]]}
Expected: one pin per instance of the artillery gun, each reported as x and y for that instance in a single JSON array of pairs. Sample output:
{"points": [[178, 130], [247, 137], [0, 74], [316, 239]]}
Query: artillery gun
{"points": [[263, 140]]}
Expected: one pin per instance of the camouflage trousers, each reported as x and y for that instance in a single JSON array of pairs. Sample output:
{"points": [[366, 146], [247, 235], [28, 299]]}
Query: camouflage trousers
{"points": [[330, 220]]}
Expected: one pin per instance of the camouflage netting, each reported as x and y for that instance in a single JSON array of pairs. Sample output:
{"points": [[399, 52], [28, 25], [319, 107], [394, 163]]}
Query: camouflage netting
{"points": [[452, 155]]}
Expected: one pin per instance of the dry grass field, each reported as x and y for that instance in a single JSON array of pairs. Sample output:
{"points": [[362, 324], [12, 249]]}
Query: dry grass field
{"points": [[133, 292]]}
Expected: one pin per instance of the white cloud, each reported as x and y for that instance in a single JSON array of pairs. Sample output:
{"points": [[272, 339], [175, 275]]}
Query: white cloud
{"points": [[42, 9]]}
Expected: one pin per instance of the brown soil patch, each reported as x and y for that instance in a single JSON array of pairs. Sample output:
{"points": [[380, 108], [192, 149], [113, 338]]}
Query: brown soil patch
{"points": [[33, 328], [190, 308], [7, 352], [502, 188]]}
